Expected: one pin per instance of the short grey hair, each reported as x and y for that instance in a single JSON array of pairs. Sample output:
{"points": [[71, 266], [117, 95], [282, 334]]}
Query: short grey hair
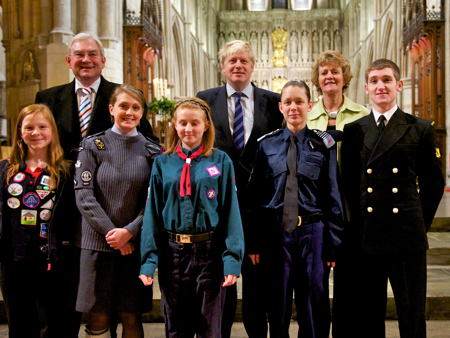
{"points": [[86, 36]]}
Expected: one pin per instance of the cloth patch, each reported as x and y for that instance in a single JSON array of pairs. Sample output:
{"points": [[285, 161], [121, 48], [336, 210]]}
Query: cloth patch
{"points": [[86, 176], [28, 217], [99, 143], [13, 202], [78, 164], [48, 204], [31, 200], [44, 230], [42, 193], [19, 177], [211, 193], [45, 180], [15, 189], [213, 171], [45, 214]]}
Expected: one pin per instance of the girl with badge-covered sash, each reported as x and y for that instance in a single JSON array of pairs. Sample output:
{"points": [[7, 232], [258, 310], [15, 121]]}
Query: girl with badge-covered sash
{"points": [[37, 205], [297, 216], [192, 227]]}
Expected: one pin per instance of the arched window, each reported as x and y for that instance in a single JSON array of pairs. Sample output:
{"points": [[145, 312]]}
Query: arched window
{"points": [[301, 5]]}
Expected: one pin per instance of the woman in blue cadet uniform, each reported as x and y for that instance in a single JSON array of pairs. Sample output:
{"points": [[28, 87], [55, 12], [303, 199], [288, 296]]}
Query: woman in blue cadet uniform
{"points": [[192, 227], [111, 181], [37, 205], [298, 216]]}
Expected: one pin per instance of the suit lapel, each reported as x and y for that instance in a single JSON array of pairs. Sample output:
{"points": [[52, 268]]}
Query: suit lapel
{"points": [[370, 131], [220, 109], [394, 130], [67, 109]]}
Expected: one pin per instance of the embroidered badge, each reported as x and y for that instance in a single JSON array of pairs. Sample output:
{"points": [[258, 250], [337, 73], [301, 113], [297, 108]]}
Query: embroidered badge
{"points": [[99, 143], [213, 171], [42, 193], [45, 214], [86, 176], [31, 200], [13, 202], [28, 217], [19, 177], [45, 180], [49, 204], [211, 193], [78, 164], [15, 189], [44, 230]]}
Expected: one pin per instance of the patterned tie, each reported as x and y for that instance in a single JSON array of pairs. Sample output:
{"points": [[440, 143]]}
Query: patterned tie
{"points": [[85, 110], [238, 122], [290, 209]]}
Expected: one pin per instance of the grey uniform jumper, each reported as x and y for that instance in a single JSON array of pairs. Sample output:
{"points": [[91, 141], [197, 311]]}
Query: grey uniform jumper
{"points": [[111, 180]]}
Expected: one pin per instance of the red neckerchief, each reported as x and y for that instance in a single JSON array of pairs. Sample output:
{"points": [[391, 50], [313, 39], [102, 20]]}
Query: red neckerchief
{"points": [[36, 173], [185, 178]]}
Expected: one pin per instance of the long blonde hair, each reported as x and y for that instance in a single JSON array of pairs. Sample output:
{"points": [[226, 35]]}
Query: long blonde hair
{"points": [[208, 136], [57, 167]]}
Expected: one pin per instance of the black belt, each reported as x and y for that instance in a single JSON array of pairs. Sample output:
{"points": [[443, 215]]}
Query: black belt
{"points": [[308, 219], [187, 238]]}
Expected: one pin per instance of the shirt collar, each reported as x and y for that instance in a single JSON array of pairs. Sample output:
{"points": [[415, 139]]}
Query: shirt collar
{"points": [[300, 135], [346, 105], [117, 131], [93, 85], [248, 91], [387, 115]]}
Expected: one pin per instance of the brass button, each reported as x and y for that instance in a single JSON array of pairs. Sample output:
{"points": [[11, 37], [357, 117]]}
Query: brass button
{"points": [[369, 190], [394, 190], [369, 171], [369, 209], [395, 170], [395, 210]]}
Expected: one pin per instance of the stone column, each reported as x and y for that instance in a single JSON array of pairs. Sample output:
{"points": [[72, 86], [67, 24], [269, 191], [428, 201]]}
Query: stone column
{"points": [[62, 17], [107, 20], [88, 16]]}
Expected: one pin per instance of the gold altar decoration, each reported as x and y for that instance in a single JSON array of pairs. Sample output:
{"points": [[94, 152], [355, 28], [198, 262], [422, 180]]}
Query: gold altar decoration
{"points": [[278, 83], [279, 44]]}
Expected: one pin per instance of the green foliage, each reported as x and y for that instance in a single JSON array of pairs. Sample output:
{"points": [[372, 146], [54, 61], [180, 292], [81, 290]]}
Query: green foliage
{"points": [[163, 106]]}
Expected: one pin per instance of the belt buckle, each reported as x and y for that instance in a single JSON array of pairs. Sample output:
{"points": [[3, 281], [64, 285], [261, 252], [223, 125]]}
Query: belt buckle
{"points": [[299, 221], [185, 239]]}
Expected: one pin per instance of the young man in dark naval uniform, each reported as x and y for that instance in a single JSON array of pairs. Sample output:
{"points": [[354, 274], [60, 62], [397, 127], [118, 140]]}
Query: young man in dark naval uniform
{"points": [[393, 184]]}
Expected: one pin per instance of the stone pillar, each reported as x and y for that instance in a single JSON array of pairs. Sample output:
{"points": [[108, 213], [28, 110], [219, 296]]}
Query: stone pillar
{"points": [[62, 17], [88, 16], [107, 23]]}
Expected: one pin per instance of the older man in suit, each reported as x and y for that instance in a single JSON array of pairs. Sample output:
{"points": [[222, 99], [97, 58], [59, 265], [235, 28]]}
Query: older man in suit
{"points": [[393, 184], [80, 109], [242, 113], [86, 59]]}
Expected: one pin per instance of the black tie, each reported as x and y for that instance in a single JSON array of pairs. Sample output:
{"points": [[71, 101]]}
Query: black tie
{"points": [[381, 124], [290, 210]]}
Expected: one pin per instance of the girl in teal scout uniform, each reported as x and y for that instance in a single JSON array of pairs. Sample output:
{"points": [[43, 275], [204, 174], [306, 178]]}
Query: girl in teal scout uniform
{"points": [[111, 181], [37, 207], [192, 227]]}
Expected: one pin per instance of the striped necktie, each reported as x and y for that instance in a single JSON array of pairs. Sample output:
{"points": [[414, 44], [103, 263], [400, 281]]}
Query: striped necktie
{"points": [[238, 122], [85, 110]]}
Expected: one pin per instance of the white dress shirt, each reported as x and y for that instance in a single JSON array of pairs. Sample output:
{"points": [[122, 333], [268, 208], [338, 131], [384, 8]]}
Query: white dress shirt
{"points": [[387, 114]]}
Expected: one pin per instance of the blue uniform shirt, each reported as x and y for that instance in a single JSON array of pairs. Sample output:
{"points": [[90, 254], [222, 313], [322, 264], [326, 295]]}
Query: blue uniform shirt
{"points": [[318, 190]]}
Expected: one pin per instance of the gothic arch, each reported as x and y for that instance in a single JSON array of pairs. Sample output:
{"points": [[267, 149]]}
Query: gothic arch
{"points": [[387, 45], [179, 77]]}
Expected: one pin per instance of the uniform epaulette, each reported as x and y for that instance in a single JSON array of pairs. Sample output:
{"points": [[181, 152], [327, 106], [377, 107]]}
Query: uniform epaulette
{"points": [[101, 133], [327, 139], [153, 147], [275, 132]]}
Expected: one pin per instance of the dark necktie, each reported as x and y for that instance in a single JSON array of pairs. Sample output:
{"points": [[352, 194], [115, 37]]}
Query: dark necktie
{"points": [[381, 124], [290, 210], [238, 122]]}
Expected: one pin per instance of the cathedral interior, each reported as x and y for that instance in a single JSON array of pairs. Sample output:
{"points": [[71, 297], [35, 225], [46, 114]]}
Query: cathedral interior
{"points": [[169, 47]]}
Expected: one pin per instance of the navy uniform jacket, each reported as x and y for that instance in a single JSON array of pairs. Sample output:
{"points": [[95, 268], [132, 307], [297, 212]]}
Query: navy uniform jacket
{"points": [[318, 190], [393, 186]]}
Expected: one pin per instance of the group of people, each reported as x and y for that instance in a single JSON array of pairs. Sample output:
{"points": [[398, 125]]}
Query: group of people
{"points": [[249, 181]]}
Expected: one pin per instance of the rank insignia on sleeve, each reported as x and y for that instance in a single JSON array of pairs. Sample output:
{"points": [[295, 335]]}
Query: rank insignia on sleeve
{"points": [[99, 143], [438, 153]]}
